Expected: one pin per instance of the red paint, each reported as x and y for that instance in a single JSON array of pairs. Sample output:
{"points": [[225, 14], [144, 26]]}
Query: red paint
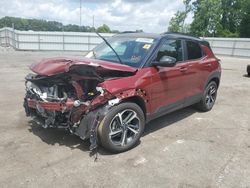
{"points": [[57, 106], [54, 66], [156, 86], [166, 85]]}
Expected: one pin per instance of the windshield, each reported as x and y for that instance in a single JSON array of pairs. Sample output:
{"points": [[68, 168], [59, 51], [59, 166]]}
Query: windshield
{"points": [[131, 51]]}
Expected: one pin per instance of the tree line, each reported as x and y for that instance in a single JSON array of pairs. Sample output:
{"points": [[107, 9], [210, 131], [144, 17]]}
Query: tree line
{"points": [[213, 18], [43, 25]]}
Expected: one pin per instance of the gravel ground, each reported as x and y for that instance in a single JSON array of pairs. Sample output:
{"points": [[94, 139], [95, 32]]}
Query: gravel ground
{"points": [[183, 149], [6, 49]]}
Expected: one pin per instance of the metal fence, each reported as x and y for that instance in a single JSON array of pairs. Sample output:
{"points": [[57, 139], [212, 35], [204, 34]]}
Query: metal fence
{"points": [[55, 41], [239, 47], [75, 41]]}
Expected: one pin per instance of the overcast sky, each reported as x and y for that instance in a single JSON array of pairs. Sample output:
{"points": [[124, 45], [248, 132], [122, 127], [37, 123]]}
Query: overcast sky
{"points": [[149, 15]]}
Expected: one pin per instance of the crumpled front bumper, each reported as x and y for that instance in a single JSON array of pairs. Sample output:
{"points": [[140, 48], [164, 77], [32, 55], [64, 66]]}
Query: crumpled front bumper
{"points": [[82, 120], [57, 106]]}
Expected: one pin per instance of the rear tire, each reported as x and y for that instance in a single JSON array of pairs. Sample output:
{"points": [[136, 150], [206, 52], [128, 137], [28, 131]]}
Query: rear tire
{"points": [[208, 97], [122, 127]]}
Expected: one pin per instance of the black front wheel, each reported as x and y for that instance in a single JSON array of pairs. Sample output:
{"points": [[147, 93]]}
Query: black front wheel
{"points": [[122, 127], [208, 97]]}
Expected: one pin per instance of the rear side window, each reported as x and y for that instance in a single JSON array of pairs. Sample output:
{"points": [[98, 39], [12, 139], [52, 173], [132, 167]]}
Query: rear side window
{"points": [[193, 50]]}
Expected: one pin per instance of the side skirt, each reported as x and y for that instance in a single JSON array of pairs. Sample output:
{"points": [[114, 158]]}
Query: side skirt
{"points": [[193, 100], [163, 110]]}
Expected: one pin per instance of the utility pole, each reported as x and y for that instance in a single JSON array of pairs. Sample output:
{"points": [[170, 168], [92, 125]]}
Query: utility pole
{"points": [[93, 24], [80, 13]]}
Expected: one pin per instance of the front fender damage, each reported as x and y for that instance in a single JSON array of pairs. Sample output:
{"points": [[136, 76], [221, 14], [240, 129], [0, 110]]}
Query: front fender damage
{"points": [[71, 94], [89, 124], [83, 119], [94, 118], [73, 103]]}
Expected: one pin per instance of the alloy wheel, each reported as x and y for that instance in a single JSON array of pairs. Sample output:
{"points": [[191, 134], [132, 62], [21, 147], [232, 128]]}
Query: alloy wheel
{"points": [[211, 96], [124, 127]]}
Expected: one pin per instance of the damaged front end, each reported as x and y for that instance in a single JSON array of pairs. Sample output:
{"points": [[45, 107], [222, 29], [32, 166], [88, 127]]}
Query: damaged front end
{"points": [[68, 94]]}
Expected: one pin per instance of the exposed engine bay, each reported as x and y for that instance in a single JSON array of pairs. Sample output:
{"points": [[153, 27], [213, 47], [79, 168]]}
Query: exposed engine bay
{"points": [[71, 99], [58, 91]]}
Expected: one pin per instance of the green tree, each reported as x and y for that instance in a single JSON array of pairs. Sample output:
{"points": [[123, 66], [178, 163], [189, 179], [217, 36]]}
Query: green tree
{"points": [[245, 21], [221, 18], [177, 23], [103, 29], [231, 15], [43, 25], [207, 16]]}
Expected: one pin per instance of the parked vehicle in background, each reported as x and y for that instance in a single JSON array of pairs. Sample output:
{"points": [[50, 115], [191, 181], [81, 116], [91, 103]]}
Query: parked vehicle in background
{"points": [[132, 78]]}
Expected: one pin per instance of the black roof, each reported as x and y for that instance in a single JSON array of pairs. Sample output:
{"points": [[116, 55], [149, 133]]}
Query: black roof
{"points": [[181, 35], [139, 35], [158, 36]]}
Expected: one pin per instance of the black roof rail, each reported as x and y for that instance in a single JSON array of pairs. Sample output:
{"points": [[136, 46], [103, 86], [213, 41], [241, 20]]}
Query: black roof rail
{"points": [[179, 33], [206, 43], [131, 32]]}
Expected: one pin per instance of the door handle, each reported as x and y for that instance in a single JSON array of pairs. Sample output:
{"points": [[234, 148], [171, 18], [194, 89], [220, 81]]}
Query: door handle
{"points": [[183, 69], [208, 65]]}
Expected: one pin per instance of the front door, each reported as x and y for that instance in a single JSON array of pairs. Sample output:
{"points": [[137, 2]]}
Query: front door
{"points": [[169, 83]]}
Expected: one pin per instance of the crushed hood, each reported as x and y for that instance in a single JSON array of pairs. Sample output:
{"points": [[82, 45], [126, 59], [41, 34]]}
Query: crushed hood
{"points": [[83, 67]]}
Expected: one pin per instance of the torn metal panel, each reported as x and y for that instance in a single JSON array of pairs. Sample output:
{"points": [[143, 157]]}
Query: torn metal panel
{"points": [[89, 125], [134, 93], [69, 94], [88, 67]]}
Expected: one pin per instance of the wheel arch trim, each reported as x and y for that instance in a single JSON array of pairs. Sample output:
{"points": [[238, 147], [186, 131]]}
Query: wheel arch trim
{"points": [[213, 77]]}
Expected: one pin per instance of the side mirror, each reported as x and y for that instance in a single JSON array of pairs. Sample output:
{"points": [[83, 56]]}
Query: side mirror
{"points": [[165, 61]]}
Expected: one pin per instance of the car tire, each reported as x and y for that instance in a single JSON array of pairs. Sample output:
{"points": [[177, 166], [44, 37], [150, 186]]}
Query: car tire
{"points": [[248, 70], [208, 97], [122, 127]]}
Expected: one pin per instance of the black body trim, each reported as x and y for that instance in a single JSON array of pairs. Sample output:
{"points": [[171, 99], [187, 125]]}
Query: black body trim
{"points": [[192, 100], [163, 110], [212, 76]]}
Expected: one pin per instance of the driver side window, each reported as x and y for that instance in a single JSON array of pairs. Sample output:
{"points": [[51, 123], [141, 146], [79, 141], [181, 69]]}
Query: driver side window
{"points": [[172, 48]]}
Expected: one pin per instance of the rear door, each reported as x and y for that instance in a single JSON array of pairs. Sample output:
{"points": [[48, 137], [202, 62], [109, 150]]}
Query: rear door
{"points": [[194, 59]]}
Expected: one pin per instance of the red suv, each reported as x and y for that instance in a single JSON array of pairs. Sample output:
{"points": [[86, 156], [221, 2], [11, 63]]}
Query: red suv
{"points": [[126, 81]]}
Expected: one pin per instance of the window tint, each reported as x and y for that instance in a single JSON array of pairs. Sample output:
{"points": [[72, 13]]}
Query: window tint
{"points": [[120, 49], [193, 50], [131, 50], [172, 48]]}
